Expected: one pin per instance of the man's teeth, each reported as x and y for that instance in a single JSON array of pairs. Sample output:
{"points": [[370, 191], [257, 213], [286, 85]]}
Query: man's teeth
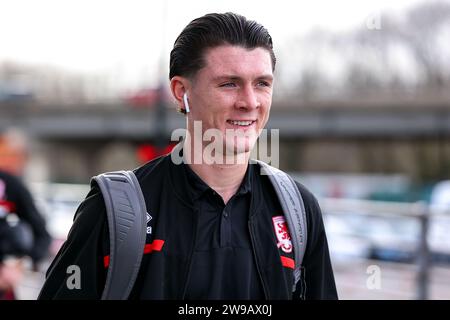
{"points": [[241, 123]]}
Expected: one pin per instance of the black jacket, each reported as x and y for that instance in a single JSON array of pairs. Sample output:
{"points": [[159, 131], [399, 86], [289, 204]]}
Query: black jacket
{"points": [[165, 267]]}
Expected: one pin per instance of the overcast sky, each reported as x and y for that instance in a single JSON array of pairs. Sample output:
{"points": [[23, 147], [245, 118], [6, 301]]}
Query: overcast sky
{"points": [[128, 37]]}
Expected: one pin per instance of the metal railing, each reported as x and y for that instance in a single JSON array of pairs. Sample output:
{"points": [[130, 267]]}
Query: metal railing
{"points": [[420, 211]]}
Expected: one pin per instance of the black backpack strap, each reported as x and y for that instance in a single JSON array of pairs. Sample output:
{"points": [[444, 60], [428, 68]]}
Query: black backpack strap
{"points": [[126, 211], [294, 209]]}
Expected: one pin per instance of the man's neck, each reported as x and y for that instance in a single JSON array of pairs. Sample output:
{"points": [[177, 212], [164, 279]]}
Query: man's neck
{"points": [[225, 179]]}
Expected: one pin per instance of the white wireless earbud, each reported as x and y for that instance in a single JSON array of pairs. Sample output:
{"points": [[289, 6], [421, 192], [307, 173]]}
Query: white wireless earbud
{"points": [[186, 103]]}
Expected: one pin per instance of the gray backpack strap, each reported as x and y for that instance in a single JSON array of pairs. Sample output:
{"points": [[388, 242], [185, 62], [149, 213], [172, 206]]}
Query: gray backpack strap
{"points": [[126, 211], [294, 209]]}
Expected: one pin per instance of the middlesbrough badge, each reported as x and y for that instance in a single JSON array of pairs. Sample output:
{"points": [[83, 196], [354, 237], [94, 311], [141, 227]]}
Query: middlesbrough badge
{"points": [[282, 232]]}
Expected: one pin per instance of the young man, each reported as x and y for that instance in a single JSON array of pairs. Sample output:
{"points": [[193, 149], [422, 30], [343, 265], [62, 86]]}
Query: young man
{"points": [[211, 221]]}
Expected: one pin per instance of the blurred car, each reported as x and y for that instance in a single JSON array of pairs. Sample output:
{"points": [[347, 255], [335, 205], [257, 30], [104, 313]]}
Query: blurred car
{"points": [[352, 235], [385, 237], [439, 230], [440, 195], [343, 241]]}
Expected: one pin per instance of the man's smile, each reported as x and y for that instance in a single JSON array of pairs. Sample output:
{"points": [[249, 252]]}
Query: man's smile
{"points": [[241, 123]]}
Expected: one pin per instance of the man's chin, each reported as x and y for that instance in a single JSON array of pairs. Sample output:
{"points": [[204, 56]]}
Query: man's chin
{"points": [[239, 148]]}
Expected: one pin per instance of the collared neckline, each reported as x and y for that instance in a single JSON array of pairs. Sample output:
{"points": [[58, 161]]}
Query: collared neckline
{"points": [[192, 187], [198, 187], [181, 182]]}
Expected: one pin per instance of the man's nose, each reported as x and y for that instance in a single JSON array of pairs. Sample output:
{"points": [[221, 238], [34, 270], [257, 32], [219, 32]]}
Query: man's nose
{"points": [[248, 98]]}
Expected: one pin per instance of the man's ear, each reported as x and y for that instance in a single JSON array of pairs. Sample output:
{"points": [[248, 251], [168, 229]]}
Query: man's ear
{"points": [[178, 87]]}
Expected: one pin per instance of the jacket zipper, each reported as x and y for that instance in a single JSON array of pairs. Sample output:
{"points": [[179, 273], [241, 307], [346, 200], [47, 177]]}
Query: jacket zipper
{"points": [[252, 237]]}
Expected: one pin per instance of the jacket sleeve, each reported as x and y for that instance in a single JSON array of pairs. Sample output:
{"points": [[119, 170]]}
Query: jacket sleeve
{"points": [[317, 280], [78, 272]]}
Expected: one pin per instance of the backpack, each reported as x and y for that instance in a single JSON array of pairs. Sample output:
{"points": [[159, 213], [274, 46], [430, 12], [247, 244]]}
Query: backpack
{"points": [[126, 212]]}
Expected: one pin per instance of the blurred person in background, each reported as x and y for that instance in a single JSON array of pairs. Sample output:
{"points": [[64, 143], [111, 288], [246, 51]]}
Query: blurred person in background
{"points": [[214, 231], [22, 228]]}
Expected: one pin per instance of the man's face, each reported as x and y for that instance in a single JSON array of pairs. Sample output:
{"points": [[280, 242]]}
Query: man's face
{"points": [[233, 93]]}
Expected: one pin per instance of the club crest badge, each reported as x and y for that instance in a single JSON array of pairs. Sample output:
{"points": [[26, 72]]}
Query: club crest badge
{"points": [[282, 233]]}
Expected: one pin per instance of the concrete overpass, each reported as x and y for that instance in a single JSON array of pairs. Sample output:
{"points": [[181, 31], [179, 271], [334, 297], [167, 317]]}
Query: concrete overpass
{"points": [[412, 139], [106, 122]]}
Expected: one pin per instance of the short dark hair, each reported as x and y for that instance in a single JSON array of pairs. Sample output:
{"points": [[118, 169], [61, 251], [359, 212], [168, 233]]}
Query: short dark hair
{"points": [[212, 30]]}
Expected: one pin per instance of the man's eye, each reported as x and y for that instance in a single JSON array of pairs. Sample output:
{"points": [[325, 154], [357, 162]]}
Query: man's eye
{"points": [[264, 84], [228, 84]]}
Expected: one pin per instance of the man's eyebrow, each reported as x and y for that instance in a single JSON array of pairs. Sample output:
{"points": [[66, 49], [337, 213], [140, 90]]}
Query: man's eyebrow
{"points": [[266, 77], [235, 77], [226, 77]]}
